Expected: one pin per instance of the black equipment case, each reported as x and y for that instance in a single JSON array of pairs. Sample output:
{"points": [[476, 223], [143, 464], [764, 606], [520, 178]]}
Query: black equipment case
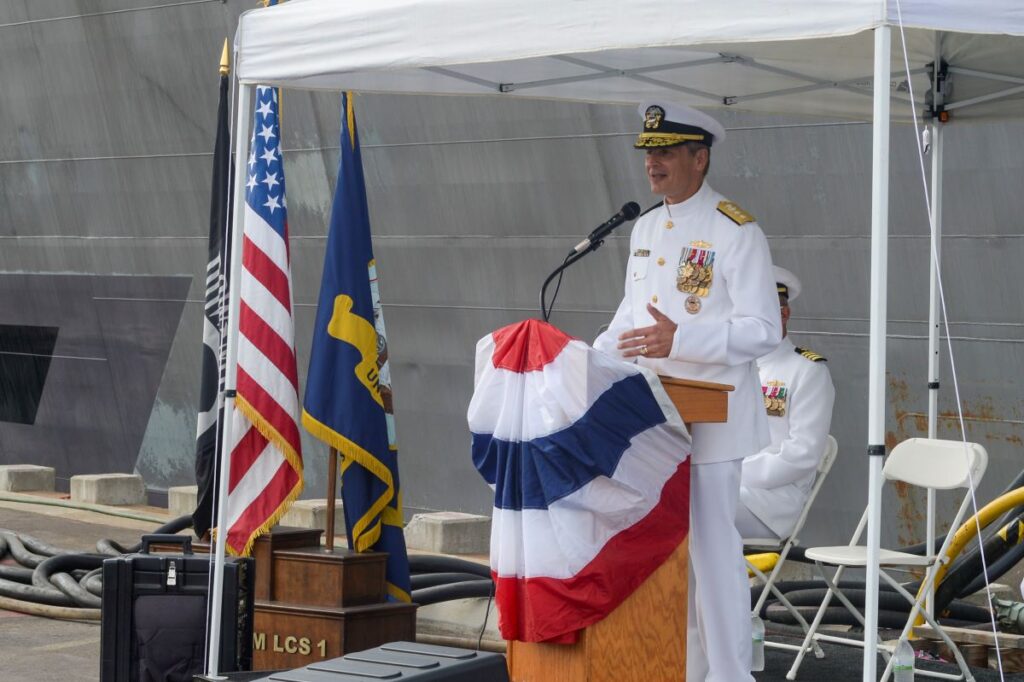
{"points": [[405, 661], [154, 614]]}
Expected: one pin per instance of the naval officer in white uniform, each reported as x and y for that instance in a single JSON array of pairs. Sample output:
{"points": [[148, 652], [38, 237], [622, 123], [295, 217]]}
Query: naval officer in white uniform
{"points": [[798, 398], [699, 304]]}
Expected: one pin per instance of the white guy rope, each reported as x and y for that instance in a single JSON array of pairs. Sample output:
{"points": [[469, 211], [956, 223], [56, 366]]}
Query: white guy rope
{"points": [[949, 342]]}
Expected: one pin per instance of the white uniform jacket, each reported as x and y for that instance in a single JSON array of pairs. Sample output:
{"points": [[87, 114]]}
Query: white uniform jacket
{"points": [[798, 397], [712, 275]]}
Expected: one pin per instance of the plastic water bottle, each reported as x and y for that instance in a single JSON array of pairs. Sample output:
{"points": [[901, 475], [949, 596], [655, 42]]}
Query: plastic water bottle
{"points": [[903, 662], [757, 658]]}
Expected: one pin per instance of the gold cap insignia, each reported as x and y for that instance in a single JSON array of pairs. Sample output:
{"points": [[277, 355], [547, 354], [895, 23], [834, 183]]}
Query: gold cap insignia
{"points": [[653, 117]]}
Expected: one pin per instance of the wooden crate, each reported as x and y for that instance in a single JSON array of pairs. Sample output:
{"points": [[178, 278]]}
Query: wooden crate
{"points": [[287, 636], [279, 538], [317, 577], [978, 646]]}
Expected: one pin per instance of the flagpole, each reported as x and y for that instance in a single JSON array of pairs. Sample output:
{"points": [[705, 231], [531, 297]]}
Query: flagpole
{"points": [[230, 378], [332, 486], [208, 439]]}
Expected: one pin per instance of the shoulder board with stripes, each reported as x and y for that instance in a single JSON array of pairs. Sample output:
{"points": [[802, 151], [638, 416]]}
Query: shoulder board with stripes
{"points": [[734, 213], [810, 355]]}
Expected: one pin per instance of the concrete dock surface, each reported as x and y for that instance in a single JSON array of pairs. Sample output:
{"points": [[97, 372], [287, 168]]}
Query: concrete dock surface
{"points": [[47, 650]]}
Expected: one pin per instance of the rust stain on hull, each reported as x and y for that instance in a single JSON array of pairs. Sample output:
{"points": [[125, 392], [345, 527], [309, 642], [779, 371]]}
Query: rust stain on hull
{"points": [[980, 416]]}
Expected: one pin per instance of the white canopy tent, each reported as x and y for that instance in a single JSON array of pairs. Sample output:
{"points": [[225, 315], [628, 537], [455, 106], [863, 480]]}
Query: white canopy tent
{"points": [[776, 56], [816, 57]]}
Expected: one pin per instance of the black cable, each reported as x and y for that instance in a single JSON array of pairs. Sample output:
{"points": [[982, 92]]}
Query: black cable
{"points": [[49, 595], [787, 586], [112, 548], [558, 285], [889, 601], [18, 574], [421, 580], [442, 593], [430, 563], [54, 571], [838, 615], [57, 577], [18, 550], [487, 614], [93, 582], [649, 209], [996, 570], [37, 546], [574, 256]]}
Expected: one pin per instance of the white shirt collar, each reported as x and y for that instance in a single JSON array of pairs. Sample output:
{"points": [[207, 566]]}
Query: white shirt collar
{"points": [[691, 204]]}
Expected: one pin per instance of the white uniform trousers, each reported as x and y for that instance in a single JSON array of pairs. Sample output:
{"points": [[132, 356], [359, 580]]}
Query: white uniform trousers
{"points": [[718, 637], [750, 526]]}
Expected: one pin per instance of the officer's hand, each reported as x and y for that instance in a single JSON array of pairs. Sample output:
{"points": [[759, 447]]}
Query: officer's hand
{"points": [[649, 342]]}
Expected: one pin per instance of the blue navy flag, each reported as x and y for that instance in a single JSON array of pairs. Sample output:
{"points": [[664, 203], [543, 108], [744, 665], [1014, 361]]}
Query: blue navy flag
{"points": [[348, 389]]}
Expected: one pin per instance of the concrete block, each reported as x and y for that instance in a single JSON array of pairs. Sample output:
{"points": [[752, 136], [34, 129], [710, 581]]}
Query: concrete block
{"points": [[113, 489], [449, 533], [313, 514], [16, 478], [181, 500]]}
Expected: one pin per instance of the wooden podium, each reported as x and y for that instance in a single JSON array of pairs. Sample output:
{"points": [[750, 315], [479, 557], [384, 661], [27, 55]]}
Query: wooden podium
{"points": [[645, 637]]}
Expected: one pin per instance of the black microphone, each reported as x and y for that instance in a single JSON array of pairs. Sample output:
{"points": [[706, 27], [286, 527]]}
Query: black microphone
{"points": [[629, 211]]}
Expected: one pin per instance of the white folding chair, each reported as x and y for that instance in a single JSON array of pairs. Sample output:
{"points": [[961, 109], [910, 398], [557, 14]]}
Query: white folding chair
{"points": [[783, 546], [927, 463]]}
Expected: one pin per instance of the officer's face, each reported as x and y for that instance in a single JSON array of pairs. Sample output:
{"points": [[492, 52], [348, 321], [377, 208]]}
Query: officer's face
{"points": [[675, 172], [784, 312]]}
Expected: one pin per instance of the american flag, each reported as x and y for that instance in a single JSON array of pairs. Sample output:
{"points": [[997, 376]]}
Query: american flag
{"points": [[266, 456]]}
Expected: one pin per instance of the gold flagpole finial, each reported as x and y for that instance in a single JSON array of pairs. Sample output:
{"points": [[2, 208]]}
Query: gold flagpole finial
{"points": [[225, 60], [350, 116]]}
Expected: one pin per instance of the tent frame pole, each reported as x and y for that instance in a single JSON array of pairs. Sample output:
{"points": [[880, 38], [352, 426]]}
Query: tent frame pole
{"points": [[934, 358], [876, 353], [241, 140], [934, 260]]}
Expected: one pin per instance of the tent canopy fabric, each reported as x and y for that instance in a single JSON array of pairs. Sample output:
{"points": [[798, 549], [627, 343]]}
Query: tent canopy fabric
{"points": [[785, 56]]}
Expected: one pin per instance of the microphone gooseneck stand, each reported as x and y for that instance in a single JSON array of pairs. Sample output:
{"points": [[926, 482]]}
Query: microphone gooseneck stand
{"points": [[569, 260], [630, 211]]}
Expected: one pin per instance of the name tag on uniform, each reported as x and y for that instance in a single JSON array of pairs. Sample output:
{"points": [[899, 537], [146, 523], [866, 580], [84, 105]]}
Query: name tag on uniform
{"points": [[642, 253]]}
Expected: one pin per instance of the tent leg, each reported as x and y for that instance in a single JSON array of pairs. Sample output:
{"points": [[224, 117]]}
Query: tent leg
{"points": [[241, 140], [876, 352], [933, 322], [933, 293]]}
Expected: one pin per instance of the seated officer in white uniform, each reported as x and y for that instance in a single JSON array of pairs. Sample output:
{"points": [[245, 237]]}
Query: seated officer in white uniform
{"points": [[798, 397]]}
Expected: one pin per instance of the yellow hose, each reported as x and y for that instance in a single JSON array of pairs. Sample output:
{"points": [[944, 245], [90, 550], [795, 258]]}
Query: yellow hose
{"points": [[966, 532], [764, 562], [48, 611]]}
